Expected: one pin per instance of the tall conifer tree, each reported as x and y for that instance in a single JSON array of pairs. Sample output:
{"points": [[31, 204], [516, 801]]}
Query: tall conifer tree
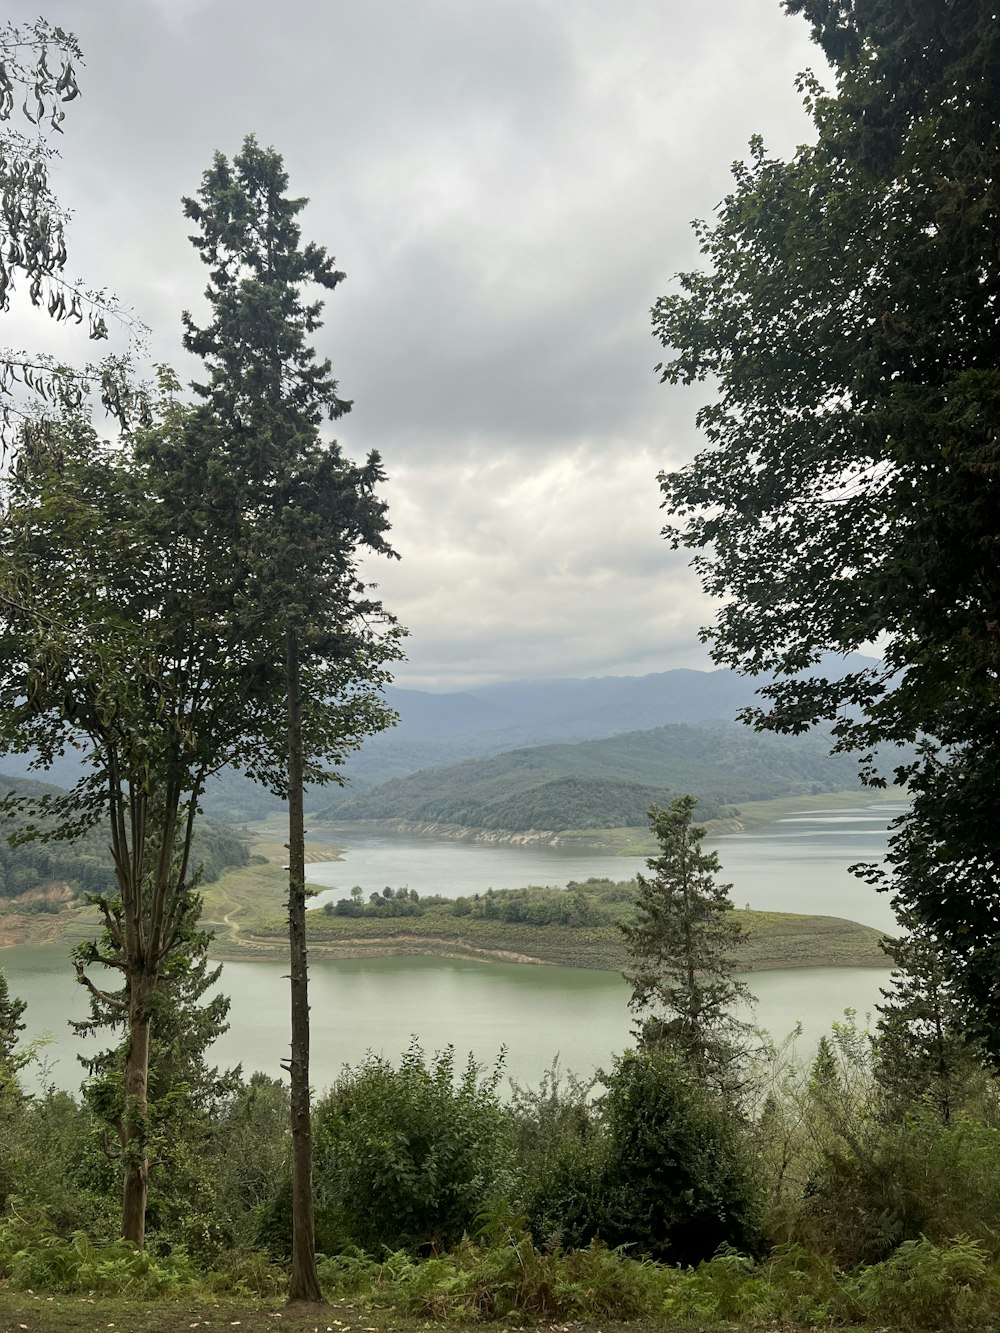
{"points": [[682, 949], [299, 515]]}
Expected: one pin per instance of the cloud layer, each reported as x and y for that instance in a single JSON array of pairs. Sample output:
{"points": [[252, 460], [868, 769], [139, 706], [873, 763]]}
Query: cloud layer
{"points": [[509, 187]]}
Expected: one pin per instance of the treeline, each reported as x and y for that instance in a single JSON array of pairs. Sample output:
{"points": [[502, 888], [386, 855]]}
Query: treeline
{"points": [[592, 902]]}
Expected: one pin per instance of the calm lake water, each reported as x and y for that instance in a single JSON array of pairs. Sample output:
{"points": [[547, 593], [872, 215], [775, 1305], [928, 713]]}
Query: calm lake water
{"points": [[798, 864], [538, 1013]]}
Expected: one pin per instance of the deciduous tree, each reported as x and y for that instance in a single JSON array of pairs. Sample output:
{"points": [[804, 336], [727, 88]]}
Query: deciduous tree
{"points": [[38, 77], [849, 492]]}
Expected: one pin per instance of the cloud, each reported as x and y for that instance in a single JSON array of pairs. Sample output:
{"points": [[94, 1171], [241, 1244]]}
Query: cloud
{"points": [[509, 187]]}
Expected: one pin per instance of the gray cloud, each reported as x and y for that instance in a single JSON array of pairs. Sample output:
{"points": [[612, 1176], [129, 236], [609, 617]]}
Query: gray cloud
{"points": [[509, 187]]}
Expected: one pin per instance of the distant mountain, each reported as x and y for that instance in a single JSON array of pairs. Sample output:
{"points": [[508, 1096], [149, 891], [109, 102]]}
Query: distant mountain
{"points": [[492, 718], [607, 783], [436, 730]]}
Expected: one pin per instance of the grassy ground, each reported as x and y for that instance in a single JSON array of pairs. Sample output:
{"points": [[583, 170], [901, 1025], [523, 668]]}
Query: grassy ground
{"points": [[245, 908], [21, 1311], [253, 896], [25, 1313], [755, 814]]}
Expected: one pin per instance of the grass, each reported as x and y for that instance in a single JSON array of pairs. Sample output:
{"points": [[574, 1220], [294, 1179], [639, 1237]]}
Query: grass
{"points": [[252, 897], [920, 1285], [20, 1311], [246, 908]]}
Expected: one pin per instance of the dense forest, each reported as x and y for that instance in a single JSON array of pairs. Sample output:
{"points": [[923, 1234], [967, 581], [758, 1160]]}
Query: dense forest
{"points": [[85, 864]]}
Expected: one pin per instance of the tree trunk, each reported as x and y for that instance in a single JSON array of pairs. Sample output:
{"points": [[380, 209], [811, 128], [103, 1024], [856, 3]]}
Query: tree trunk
{"points": [[304, 1282], [135, 1121]]}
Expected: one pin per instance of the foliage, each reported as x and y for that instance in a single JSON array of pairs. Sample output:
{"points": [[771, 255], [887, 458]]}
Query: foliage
{"points": [[680, 1180], [33, 233], [247, 1157], [185, 1096], [561, 1152], [848, 490], [407, 1156], [54, 1166], [86, 863], [31, 1258], [11, 1011], [924, 1050], [682, 948]]}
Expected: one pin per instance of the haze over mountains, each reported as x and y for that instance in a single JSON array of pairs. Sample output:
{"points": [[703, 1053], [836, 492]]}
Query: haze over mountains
{"points": [[439, 730], [436, 729]]}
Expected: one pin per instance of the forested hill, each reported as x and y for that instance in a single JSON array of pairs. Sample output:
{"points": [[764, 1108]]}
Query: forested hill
{"points": [[439, 729], [608, 783], [85, 864]]}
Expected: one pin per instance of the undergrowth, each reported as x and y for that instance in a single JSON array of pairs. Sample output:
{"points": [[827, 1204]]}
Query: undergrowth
{"points": [[923, 1284]]}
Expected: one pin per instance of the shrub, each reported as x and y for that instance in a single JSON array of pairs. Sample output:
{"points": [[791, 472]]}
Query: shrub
{"points": [[927, 1285], [407, 1157], [894, 1184], [560, 1152], [678, 1182]]}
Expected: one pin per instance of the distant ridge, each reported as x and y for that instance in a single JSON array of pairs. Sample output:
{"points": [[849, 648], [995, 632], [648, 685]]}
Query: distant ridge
{"points": [[607, 783], [437, 730]]}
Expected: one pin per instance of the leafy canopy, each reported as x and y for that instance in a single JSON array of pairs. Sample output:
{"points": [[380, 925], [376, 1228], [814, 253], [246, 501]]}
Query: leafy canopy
{"points": [[849, 490]]}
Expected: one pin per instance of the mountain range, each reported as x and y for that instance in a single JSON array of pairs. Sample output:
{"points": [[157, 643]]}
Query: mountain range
{"points": [[440, 730]]}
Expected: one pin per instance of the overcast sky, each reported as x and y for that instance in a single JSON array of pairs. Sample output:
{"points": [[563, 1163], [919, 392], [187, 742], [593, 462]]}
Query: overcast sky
{"points": [[508, 185]]}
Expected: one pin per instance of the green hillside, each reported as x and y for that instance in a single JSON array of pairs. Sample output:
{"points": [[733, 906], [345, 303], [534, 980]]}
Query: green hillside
{"points": [[607, 783], [85, 863]]}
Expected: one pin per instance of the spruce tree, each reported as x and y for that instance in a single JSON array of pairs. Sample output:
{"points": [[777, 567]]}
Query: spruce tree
{"points": [[924, 1050], [11, 1010], [299, 516], [682, 949]]}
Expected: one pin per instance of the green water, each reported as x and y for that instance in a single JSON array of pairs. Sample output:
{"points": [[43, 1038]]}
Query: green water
{"points": [[378, 1004], [537, 1013]]}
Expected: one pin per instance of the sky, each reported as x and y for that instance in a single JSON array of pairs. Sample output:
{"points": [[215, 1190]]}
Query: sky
{"points": [[509, 186]]}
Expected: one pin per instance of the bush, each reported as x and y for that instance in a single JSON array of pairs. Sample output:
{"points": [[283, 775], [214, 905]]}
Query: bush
{"points": [[406, 1158], [927, 1285], [33, 1258], [678, 1182], [893, 1184], [560, 1150]]}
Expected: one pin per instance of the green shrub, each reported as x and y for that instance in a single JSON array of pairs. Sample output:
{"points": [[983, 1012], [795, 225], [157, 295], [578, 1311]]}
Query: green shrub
{"points": [[927, 1285], [503, 1278], [406, 1157], [678, 1181], [560, 1151], [33, 1259], [893, 1184]]}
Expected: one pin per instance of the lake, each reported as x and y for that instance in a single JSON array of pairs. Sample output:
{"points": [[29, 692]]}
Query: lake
{"points": [[538, 1013], [797, 864]]}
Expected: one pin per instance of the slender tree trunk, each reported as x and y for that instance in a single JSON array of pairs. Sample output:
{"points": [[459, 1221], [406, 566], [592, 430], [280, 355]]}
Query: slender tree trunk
{"points": [[304, 1283], [135, 1122]]}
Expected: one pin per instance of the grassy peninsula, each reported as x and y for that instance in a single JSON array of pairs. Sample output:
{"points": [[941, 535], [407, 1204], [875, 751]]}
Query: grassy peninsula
{"points": [[576, 926]]}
